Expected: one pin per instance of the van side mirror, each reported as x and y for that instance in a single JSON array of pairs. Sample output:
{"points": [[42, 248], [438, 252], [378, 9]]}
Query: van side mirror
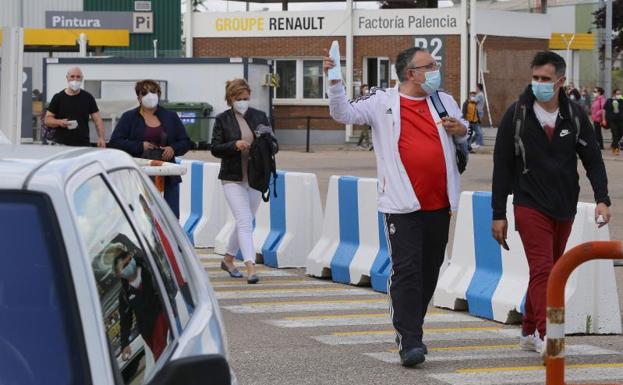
{"points": [[211, 369]]}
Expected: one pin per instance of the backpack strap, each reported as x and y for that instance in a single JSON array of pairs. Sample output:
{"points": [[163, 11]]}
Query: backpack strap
{"points": [[519, 117], [576, 121], [441, 110]]}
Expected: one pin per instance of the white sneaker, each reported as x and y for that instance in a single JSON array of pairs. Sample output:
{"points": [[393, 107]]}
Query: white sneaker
{"points": [[475, 146], [526, 342]]}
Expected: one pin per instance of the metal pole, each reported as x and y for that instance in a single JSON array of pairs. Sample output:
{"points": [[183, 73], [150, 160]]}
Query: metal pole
{"points": [[155, 48], [473, 39], [349, 62], [188, 29], [82, 43], [608, 53], [308, 133], [464, 49], [600, 40], [12, 75]]}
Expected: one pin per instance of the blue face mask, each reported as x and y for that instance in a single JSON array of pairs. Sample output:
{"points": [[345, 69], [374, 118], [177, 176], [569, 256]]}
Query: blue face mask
{"points": [[543, 92], [129, 270], [432, 82]]}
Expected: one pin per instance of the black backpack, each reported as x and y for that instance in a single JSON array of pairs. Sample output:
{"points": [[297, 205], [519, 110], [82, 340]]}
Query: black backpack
{"points": [[460, 152], [262, 164]]}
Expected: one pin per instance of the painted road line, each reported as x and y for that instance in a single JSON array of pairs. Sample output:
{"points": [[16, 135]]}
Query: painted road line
{"points": [[210, 258], [491, 352], [241, 283], [292, 293], [260, 273], [299, 306], [362, 319], [531, 374], [241, 268], [430, 334]]}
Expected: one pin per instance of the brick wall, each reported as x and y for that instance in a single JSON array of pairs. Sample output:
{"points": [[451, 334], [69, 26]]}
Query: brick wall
{"points": [[508, 61]]}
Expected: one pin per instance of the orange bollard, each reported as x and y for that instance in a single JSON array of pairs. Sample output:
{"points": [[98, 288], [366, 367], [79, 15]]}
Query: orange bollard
{"points": [[555, 360]]}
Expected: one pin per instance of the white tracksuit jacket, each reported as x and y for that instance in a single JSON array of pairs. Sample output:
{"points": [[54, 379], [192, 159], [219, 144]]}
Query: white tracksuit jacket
{"points": [[381, 111]]}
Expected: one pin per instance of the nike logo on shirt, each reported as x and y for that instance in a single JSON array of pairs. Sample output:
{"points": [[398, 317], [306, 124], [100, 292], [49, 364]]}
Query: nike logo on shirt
{"points": [[564, 133]]}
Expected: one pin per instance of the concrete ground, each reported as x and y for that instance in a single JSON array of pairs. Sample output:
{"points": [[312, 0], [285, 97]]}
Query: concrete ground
{"points": [[292, 329]]}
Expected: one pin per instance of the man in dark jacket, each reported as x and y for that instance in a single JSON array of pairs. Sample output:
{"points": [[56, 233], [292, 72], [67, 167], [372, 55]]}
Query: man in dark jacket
{"points": [[613, 116], [542, 175]]}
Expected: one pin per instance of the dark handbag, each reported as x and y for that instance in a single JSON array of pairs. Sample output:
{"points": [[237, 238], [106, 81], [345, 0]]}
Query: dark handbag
{"points": [[461, 158], [153, 153]]}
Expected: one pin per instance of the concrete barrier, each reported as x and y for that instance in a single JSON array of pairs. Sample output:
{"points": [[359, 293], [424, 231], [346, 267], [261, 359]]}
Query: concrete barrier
{"points": [[288, 226], [491, 282], [353, 247]]}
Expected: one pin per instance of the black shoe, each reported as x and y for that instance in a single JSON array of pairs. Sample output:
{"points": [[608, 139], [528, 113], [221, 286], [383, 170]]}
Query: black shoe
{"points": [[234, 273], [412, 357], [422, 345], [253, 279]]}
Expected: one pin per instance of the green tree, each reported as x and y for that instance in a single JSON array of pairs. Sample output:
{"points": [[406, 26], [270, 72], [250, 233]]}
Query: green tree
{"points": [[394, 4], [617, 27]]}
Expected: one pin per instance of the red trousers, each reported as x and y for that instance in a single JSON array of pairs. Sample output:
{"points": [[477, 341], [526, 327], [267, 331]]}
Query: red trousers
{"points": [[544, 240]]}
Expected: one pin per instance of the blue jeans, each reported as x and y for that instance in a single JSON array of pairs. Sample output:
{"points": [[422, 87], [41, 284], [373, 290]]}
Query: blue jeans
{"points": [[477, 136], [172, 196]]}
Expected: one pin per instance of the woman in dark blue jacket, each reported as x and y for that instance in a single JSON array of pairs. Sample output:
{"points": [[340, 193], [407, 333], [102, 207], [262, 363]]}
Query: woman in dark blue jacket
{"points": [[152, 132]]}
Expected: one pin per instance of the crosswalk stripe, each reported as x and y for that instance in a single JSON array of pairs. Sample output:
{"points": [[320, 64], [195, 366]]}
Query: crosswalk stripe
{"points": [[492, 352], [442, 334], [530, 374], [237, 284], [261, 273], [292, 293], [361, 319], [210, 257], [300, 306]]}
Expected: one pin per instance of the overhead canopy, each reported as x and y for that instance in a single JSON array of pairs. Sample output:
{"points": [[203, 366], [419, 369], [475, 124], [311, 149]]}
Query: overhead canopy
{"points": [[579, 41], [47, 40]]}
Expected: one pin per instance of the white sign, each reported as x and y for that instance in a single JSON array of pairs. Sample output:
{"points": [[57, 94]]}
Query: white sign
{"points": [[142, 22], [444, 21], [440, 21], [261, 24]]}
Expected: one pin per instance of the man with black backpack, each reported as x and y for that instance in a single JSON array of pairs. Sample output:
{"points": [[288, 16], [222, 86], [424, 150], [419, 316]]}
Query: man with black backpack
{"points": [[414, 130], [535, 160]]}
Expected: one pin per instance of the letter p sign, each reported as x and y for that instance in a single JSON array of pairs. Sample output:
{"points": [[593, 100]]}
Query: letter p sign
{"points": [[142, 22]]}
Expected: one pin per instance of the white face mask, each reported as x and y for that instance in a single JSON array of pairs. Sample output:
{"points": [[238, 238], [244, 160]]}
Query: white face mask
{"points": [[75, 85], [150, 100], [241, 106]]}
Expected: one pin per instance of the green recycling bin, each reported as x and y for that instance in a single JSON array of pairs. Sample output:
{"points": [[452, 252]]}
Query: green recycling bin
{"points": [[194, 116]]}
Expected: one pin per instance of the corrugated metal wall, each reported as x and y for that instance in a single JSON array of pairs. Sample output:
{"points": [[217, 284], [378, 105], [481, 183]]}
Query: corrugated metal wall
{"points": [[34, 17], [167, 27]]}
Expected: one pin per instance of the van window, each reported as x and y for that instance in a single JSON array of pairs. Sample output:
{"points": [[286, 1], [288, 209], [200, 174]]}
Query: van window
{"points": [[40, 330], [137, 324], [156, 234]]}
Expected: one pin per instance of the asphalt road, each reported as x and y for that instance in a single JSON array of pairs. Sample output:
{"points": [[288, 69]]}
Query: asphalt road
{"points": [[293, 329]]}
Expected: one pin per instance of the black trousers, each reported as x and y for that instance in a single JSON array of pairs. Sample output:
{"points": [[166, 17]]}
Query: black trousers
{"points": [[417, 242], [598, 135], [616, 127]]}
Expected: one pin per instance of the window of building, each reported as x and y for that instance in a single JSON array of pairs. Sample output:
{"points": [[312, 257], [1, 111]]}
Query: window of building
{"points": [[302, 79], [377, 72], [286, 69]]}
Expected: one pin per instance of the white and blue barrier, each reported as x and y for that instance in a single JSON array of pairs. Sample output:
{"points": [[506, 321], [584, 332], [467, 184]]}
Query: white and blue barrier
{"points": [[353, 247], [288, 226], [203, 209], [491, 282]]}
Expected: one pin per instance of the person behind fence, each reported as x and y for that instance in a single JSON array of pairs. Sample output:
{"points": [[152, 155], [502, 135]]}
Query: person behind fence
{"points": [[613, 119], [152, 132], [535, 159], [597, 114], [232, 137], [418, 181], [69, 111]]}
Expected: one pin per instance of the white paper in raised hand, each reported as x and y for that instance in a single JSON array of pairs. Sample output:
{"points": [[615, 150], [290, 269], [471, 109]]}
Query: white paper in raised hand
{"points": [[335, 73]]}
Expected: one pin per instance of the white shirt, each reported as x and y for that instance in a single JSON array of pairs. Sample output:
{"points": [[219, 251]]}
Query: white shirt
{"points": [[545, 118]]}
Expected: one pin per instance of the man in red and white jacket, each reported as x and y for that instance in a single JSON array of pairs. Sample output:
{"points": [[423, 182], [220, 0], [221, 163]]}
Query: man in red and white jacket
{"points": [[418, 182]]}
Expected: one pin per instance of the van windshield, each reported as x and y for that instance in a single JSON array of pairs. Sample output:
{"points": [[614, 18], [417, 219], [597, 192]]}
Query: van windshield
{"points": [[40, 331]]}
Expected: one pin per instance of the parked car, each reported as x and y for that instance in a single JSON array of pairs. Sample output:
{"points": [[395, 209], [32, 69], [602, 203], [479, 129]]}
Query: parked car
{"points": [[98, 282]]}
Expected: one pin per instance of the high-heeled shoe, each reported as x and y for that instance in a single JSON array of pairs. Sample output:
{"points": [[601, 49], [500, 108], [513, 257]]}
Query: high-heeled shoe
{"points": [[234, 273]]}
